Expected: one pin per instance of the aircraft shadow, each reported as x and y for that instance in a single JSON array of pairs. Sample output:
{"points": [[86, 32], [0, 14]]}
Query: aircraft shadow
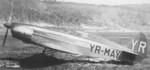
{"points": [[37, 61], [43, 60]]}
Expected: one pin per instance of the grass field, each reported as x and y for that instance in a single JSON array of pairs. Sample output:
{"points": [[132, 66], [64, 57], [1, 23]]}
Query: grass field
{"points": [[29, 56]]}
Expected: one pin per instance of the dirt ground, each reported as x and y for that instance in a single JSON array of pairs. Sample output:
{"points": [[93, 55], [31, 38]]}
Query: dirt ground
{"points": [[29, 57]]}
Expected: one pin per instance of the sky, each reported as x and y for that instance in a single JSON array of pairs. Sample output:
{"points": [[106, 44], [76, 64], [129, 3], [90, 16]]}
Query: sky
{"points": [[110, 2]]}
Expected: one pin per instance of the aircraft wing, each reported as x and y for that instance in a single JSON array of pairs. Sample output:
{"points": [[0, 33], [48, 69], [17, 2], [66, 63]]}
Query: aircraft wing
{"points": [[57, 45]]}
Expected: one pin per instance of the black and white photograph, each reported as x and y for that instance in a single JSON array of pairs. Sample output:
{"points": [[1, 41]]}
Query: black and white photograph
{"points": [[74, 34]]}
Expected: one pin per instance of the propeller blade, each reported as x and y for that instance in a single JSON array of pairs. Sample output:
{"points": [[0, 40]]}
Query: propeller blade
{"points": [[11, 12], [5, 38]]}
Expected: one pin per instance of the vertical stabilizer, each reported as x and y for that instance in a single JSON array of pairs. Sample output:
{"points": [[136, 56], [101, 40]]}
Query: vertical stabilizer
{"points": [[139, 45]]}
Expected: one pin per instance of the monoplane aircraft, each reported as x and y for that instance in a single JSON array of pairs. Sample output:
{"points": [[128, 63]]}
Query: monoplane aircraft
{"points": [[79, 43]]}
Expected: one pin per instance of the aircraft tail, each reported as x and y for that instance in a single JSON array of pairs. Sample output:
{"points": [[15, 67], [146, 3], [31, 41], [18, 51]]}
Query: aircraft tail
{"points": [[139, 45]]}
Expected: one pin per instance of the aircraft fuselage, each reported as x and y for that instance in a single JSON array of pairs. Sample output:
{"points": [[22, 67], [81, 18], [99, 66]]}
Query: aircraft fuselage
{"points": [[72, 43]]}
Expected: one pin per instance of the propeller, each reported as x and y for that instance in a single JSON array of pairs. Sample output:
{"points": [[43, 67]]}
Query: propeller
{"points": [[8, 25]]}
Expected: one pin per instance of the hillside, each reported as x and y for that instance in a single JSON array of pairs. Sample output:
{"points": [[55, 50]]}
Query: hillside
{"points": [[103, 17]]}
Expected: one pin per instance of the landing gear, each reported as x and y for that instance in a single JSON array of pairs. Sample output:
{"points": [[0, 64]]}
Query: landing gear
{"points": [[44, 50]]}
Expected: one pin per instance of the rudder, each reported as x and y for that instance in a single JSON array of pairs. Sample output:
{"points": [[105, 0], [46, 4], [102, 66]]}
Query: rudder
{"points": [[139, 45]]}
